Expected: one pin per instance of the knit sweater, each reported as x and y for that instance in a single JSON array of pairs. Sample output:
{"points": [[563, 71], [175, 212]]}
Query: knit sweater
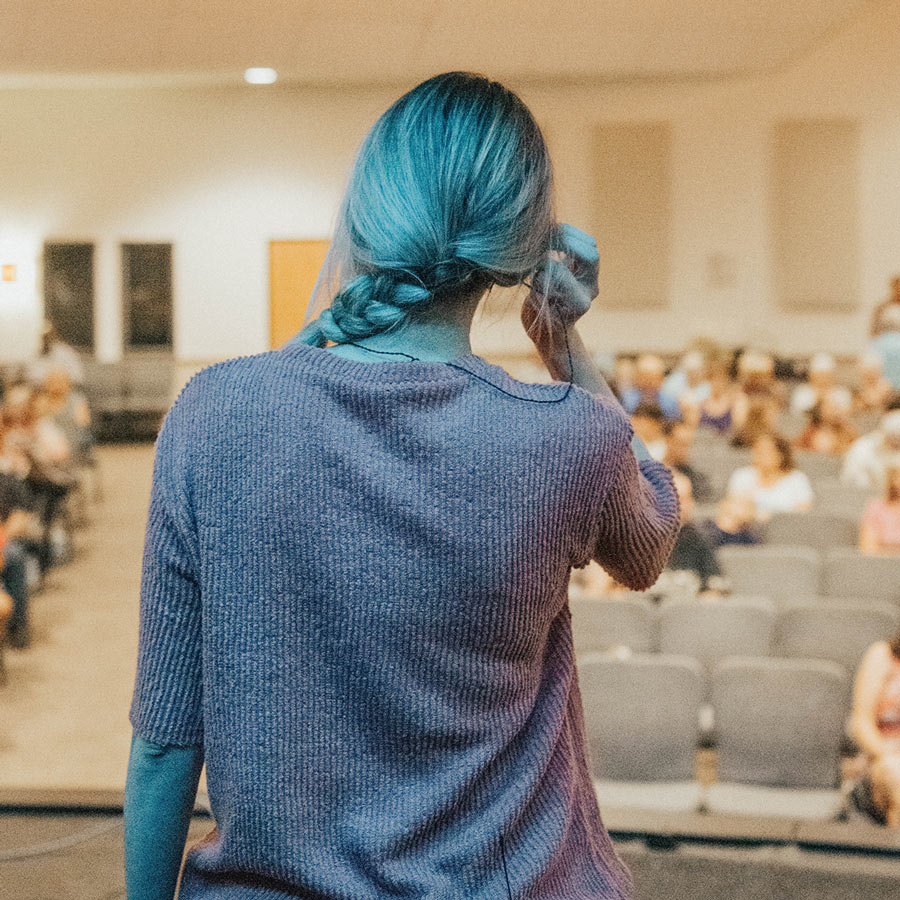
{"points": [[354, 597]]}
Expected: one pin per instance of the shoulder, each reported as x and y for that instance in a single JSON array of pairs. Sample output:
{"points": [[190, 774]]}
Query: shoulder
{"points": [[606, 420], [208, 385], [878, 657]]}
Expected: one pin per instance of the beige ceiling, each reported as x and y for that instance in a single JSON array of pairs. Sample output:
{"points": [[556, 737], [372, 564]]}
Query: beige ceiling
{"points": [[336, 41]]}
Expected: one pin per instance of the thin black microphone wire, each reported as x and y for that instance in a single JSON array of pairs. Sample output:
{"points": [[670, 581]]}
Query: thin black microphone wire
{"points": [[464, 369]]}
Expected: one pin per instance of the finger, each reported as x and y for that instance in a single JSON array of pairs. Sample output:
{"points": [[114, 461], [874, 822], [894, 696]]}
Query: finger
{"points": [[575, 242]]}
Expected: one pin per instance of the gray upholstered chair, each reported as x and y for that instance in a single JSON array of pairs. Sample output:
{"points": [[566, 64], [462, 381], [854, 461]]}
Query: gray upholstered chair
{"points": [[641, 729], [779, 725], [606, 622], [837, 630], [819, 530], [776, 572], [847, 572], [712, 630]]}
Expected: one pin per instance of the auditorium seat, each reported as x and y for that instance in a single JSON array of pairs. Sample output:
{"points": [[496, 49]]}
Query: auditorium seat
{"points": [[833, 495], [779, 726], [847, 571], [641, 729], [836, 630], [817, 465], [606, 622], [819, 530], [711, 630], [775, 571]]}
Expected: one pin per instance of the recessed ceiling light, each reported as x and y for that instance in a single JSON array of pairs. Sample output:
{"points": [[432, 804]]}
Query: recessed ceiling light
{"points": [[260, 76]]}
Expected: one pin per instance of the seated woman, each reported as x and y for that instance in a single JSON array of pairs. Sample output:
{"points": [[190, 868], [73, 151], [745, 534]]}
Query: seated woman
{"points": [[734, 522], [875, 724], [772, 481], [879, 528], [715, 411], [829, 429]]}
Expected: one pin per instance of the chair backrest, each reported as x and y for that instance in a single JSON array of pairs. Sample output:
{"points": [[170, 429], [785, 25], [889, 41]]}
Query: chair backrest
{"points": [[836, 630], [833, 495], [848, 572], [710, 630], [605, 622], [779, 722], [641, 715], [820, 530], [818, 465], [773, 571]]}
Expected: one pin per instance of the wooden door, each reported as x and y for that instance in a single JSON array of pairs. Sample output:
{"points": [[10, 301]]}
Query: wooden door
{"points": [[293, 269]]}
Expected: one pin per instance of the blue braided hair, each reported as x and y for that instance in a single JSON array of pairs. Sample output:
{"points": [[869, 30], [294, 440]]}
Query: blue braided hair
{"points": [[450, 190]]}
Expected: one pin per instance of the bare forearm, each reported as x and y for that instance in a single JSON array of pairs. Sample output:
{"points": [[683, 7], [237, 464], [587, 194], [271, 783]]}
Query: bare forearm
{"points": [[586, 375]]}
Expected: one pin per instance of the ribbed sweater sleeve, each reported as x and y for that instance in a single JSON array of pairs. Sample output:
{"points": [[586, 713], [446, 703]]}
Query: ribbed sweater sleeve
{"points": [[639, 517], [166, 706]]}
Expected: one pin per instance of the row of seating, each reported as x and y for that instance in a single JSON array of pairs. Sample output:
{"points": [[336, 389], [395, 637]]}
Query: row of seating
{"points": [[779, 722], [709, 631], [782, 572]]}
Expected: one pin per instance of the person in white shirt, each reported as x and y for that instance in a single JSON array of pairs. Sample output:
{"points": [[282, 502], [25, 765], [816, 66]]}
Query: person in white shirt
{"points": [[819, 381], [871, 454], [771, 480], [55, 354]]}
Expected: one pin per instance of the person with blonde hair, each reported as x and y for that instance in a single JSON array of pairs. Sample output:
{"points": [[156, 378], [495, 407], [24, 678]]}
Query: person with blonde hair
{"points": [[873, 391], [829, 429]]}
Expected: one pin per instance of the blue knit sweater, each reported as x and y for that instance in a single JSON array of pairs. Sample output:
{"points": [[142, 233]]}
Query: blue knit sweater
{"points": [[354, 597]]}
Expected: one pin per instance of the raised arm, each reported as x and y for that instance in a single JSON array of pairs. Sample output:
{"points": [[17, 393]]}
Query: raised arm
{"points": [[638, 523]]}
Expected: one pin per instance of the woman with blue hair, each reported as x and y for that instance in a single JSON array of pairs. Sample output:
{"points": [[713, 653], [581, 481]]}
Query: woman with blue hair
{"points": [[354, 601]]}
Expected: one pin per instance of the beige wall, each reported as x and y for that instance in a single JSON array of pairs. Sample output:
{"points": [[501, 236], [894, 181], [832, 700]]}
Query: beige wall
{"points": [[220, 172]]}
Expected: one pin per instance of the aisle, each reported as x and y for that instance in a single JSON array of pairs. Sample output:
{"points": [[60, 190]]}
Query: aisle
{"points": [[64, 711]]}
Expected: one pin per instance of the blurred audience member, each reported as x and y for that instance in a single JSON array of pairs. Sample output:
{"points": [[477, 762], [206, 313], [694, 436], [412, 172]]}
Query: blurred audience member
{"points": [[819, 380], [649, 422], [873, 390], [716, 411], [887, 344], [772, 481], [869, 457], [693, 552], [875, 724], [758, 415], [734, 522], [679, 439], [756, 375], [624, 376], [68, 409], [38, 447], [891, 302], [648, 378], [830, 429], [19, 534], [55, 353], [879, 529], [687, 384]]}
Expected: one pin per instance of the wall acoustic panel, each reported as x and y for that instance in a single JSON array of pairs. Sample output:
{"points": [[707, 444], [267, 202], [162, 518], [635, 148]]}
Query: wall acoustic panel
{"points": [[632, 211], [815, 215]]}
